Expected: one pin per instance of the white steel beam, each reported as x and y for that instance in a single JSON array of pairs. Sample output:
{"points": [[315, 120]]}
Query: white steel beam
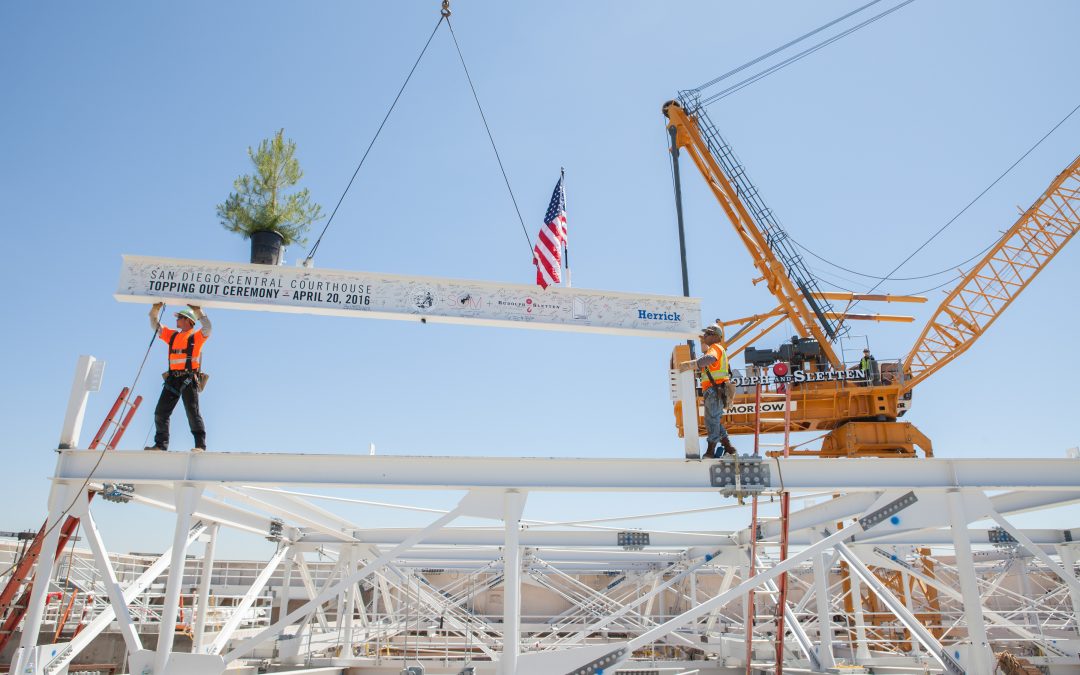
{"points": [[666, 545], [288, 510], [203, 603], [1037, 551], [332, 591], [102, 620], [309, 587], [936, 650], [862, 647], [305, 290], [965, 566], [513, 504], [88, 373], [558, 474], [108, 576], [949, 591], [61, 497], [238, 612], [208, 509], [753, 582], [187, 496], [824, 615], [1068, 560]]}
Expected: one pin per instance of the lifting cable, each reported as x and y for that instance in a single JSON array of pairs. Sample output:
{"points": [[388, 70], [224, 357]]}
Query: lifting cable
{"points": [[311, 254], [961, 212], [446, 13], [444, 16], [101, 453]]}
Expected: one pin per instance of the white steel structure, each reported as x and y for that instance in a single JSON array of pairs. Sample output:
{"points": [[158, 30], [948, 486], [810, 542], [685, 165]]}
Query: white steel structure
{"points": [[928, 573]]}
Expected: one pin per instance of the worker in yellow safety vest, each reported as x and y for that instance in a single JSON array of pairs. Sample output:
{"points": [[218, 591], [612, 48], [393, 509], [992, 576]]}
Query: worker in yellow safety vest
{"points": [[183, 379], [715, 372]]}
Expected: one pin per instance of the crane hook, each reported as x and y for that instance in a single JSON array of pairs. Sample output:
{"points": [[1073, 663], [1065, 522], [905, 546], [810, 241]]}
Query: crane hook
{"points": [[446, 9]]}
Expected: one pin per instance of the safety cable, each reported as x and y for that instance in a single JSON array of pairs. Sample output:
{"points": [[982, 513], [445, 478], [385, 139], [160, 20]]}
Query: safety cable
{"points": [[724, 93], [782, 48], [963, 210], [311, 254], [101, 453], [490, 137]]}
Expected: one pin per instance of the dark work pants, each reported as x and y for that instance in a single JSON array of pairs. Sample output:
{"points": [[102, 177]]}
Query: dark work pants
{"points": [[177, 387]]}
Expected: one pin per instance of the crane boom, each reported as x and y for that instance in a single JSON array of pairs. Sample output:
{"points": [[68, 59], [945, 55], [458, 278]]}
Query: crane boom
{"points": [[801, 301], [992, 284]]}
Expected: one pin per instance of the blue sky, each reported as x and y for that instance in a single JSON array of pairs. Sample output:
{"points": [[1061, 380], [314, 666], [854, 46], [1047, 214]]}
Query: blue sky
{"points": [[125, 123]]}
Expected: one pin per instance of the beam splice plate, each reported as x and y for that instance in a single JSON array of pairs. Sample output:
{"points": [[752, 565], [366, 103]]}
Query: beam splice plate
{"points": [[301, 290]]}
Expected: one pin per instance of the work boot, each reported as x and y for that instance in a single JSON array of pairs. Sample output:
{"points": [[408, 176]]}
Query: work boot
{"points": [[710, 451], [729, 449], [156, 448]]}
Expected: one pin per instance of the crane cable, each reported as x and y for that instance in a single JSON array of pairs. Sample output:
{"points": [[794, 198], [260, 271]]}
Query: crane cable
{"points": [[443, 16], [961, 212], [781, 48], [101, 453], [446, 14], [724, 93], [311, 253]]}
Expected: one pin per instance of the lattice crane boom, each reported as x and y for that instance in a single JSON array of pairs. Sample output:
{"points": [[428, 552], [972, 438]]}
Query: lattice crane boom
{"points": [[996, 280]]}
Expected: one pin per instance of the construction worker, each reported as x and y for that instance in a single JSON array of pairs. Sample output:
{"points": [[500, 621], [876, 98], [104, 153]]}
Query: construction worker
{"points": [[714, 373], [869, 365], [183, 377]]}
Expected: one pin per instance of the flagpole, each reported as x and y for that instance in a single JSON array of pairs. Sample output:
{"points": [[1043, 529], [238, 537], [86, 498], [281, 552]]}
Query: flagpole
{"points": [[566, 245]]}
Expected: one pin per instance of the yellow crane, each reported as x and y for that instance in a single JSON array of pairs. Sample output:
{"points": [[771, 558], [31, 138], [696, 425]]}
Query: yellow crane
{"points": [[859, 409]]}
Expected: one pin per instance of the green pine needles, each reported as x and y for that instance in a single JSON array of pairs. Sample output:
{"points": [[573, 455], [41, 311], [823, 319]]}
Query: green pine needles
{"points": [[260, 202]]}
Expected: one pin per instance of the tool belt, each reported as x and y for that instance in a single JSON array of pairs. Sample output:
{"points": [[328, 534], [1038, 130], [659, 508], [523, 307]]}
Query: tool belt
{"points": [[197, 376], [724, 390]]}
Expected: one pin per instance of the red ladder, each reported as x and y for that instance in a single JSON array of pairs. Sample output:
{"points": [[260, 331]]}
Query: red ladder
{"points": [[13, 604], [785, 505]]}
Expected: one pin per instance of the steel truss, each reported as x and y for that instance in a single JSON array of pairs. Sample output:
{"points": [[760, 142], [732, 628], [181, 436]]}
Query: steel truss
{"points": [[928, 570]]}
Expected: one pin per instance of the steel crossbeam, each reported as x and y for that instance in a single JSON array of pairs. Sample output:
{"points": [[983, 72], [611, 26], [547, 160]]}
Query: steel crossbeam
{"points": [[557, 474]]}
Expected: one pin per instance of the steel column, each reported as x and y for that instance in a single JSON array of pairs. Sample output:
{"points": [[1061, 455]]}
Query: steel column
{"points": [[61, 496], [513, 504], [825, 629], [187, 496], [226, 632], [969, 585], [203, 606], [862, 650], [1068, 560], [108, 578]]}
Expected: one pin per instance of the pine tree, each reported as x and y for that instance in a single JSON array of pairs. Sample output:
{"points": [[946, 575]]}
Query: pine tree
{"points": [[260, 202]]}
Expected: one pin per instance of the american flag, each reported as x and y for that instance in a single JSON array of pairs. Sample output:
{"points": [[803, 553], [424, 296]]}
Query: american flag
{"points": [[547, 254]]}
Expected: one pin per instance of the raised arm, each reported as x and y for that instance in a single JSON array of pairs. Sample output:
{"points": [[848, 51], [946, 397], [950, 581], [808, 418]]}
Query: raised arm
{"points": [[155, 312], [203, 319]]}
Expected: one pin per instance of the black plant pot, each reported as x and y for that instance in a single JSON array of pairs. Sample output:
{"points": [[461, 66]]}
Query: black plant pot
{"points": [[266, 247]]}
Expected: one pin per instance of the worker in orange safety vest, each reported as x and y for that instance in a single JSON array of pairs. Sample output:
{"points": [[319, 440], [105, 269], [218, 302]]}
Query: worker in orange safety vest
{"points": [[183, 378], [714, 373]]}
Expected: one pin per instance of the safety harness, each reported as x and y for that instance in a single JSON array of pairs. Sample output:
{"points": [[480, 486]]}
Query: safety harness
{"points": [[189, 351]]}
